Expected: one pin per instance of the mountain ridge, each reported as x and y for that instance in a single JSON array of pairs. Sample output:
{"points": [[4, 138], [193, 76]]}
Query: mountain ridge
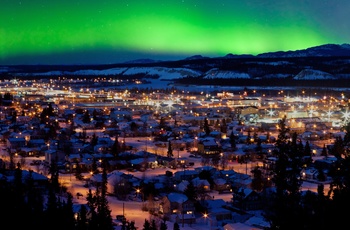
{"points": [[326, 50], [328, 64]]}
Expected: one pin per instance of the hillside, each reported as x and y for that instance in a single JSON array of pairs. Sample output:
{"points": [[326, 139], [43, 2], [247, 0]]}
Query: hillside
{"points": [[326, 65]]}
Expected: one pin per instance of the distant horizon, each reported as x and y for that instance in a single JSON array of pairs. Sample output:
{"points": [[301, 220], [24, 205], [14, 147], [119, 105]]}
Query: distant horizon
{"points": [[132, 56]]}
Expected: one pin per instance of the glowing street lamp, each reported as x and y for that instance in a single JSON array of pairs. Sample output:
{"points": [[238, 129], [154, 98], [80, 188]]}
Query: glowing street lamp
{"points": [[329, 114], [271, 112], [346, 116], [206, 217], [138, 191]]}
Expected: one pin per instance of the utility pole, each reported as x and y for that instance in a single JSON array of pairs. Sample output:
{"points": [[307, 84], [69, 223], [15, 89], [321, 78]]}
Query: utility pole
{"points": [[183, 214]]}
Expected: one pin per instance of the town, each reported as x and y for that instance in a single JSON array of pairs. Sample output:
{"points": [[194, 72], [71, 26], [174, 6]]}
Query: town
{"points": [[183, 157]]}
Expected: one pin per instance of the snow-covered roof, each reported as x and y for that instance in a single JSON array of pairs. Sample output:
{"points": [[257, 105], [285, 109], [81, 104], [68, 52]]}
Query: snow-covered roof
{"points": [[177, 197]]}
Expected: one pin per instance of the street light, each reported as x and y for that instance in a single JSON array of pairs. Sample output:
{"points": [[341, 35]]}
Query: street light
{"points": [[206, 217], [138, 190]]}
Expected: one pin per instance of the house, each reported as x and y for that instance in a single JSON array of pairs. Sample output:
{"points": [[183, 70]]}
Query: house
{"points": [[246, 110], [182, 186], [36, 143], [54, 155], [173, 203], [185, 175], [180, 205], [77, 208], [15, 143], [211, 169], [309, 173], [239, 180], [201, 184], [247, 199], [185, 218], [216, 209], [38, 180], [258, 222], [239, 226], [209, 147], [221, 185]]}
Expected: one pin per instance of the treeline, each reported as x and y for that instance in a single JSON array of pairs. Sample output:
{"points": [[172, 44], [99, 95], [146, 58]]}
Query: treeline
{"points": [[291, 208], [283, 82], [25, 205]]}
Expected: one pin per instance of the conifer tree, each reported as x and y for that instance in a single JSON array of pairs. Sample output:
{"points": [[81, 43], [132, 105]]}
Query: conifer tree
{"points": [[223, 126], [339, 191], [94, 140], [206, 127], [116, 149], [103, 212], [307, 149], [170, 150], [285, 207], [258, 180], [82, 219], [176, 226], [248, 140], [146, 225], [324, 151], [233, 141], [163, 226], [86, 117], [92, 204], [68, 221], [191, 191], [54, 172]]}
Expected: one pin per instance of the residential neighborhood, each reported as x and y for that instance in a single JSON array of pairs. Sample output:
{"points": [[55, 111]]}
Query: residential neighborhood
{"points": [[181, 156]]}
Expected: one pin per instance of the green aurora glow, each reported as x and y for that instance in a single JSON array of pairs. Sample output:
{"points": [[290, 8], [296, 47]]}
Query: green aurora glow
{"points": [[176, 28]]}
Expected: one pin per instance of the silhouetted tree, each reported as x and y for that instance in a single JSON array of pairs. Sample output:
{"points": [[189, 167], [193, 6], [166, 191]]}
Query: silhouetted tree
{"points": [[163, 226], [116, 149], [170, 150], [285, 206], [324, 151], [191, 191], [307, 149], [146, 225], [258, 181], [206, 127], [176, 226], [86, 117]]}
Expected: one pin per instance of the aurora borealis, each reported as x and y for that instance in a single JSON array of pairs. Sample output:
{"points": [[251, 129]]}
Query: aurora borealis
{"points": [[112, 31]]}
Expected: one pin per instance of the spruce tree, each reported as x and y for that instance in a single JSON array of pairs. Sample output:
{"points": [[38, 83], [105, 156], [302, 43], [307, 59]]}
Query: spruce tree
{"points": [[116, 149], [82, 219], [153, 224], [163, 226], [191, 191], [170, 150], [176, 226], [233, 141], [339, 191], [307, 149], [103, 212], [146, 225], [206, 127], [324, 151], [285, 207]]}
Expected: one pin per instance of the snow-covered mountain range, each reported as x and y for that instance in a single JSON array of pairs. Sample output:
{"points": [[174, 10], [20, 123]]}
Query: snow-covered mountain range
{"points": [[328, 63]]}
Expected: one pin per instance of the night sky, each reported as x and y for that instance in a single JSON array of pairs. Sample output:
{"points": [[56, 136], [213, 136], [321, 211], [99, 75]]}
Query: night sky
{"points": [[112, 31]]}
